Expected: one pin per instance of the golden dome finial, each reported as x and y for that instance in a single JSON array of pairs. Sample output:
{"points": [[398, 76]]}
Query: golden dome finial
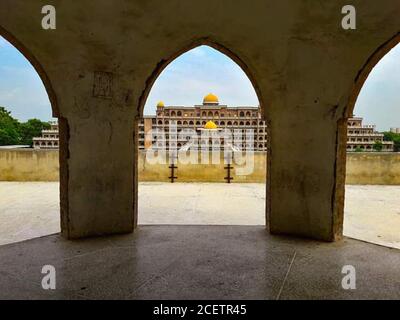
{"points": [[210, 125], [210, 99], [160, 104]]}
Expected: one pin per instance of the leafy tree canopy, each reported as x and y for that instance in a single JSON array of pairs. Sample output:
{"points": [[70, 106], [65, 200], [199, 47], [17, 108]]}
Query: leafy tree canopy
{"points": [[395, 137], [378, 146], [13, 132]]}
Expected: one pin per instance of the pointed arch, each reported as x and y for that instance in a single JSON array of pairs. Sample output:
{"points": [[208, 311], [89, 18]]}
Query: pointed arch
{"points": [[338, 194], [365, 71], [37, 66], [163, 64]]}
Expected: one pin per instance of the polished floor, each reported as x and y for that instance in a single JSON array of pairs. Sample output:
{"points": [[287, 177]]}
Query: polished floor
{"points": [[198, 262]]}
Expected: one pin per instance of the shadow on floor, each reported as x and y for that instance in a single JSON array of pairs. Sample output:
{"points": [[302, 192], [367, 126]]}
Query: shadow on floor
{"points": [[198, 262]]}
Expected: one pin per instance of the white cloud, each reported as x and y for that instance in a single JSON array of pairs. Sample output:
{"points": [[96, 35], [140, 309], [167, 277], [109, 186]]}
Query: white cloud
{"points": [[379, 100], [198, 72]]}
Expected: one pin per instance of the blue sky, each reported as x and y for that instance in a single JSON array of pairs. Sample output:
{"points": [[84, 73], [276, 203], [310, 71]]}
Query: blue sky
{"points": [[189, 78]]}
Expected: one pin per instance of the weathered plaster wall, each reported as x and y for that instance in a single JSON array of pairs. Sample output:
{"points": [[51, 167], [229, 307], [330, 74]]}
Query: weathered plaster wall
{"points": [[214, 171], [304, 66], [42, 165], [29, 165], [373, 168]]}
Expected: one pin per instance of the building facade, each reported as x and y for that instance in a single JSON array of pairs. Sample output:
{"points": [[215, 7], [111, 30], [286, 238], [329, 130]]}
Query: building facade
{"points": [[213, 117], [395, 130], [208, 119], [362, 137], [49, 138]]}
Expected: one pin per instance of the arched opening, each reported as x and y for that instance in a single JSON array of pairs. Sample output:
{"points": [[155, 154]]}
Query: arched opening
{"points": [[188, 177], [29, 137], [372, 144]]}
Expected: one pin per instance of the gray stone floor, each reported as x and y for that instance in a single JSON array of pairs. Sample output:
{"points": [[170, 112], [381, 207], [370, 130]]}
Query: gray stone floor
{"points": [[29, 210], [198, 262]]}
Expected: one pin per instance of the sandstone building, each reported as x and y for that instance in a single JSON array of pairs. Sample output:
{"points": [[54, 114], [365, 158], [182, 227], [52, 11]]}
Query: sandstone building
{"points": [[362, 137], [49, 138], [210, 115]]}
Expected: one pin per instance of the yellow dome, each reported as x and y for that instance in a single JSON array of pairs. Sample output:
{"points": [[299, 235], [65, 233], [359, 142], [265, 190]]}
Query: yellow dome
{"points": [[160, 104], [210, 125], [210, 98]]}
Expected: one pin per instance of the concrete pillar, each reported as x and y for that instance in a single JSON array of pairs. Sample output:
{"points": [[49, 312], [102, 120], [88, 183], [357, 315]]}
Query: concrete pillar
{"points": [[97, 171], [307, 128], [302, 177]]}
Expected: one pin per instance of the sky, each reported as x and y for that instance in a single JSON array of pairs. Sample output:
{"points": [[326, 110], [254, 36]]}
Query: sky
{"points": [[190, 77]]}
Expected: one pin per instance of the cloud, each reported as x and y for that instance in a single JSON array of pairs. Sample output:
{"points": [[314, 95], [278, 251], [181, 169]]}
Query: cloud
{"points": [[379, 99], [21, 89], [193, 75], [198, 72]]}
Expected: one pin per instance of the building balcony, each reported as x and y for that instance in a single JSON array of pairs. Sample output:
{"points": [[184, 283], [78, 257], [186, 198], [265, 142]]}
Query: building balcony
{"points": [[50, 131]]}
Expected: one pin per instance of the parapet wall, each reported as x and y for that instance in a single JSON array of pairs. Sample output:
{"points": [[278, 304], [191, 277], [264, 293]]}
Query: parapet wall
{"points": [[42, 165], [373, 168], [29, 165]]}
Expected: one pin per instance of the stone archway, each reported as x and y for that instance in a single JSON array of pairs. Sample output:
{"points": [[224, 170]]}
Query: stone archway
{"points": [[62, 123], [161, 67], [306, 69], [340, 168]]}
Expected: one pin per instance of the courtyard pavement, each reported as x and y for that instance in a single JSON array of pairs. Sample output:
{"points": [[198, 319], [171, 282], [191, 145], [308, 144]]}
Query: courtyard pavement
{"points": [[31, 209]]}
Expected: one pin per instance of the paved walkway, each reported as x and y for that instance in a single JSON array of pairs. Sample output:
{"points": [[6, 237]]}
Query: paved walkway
{"points": [[29, 210]]}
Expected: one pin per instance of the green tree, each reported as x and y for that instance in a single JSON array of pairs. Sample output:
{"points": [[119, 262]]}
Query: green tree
{"points": [[378, 146], [358, 149], [9, 129], [13, 132], [30, 129], [395, 137]]}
